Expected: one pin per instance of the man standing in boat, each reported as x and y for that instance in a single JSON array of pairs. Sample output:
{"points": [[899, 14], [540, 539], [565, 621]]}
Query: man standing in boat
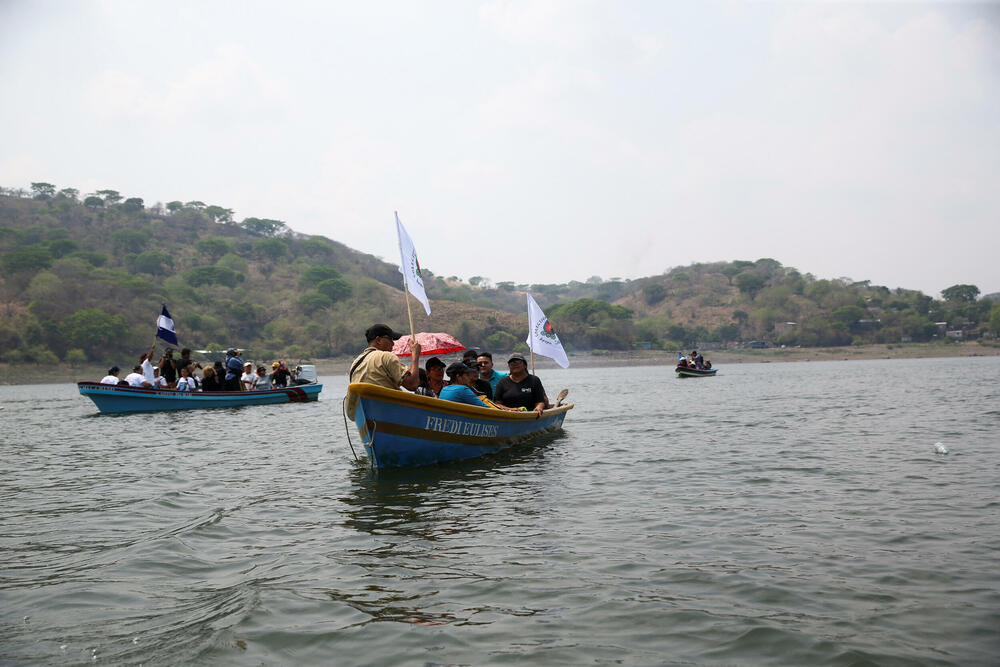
{"points": [[379, 366]]}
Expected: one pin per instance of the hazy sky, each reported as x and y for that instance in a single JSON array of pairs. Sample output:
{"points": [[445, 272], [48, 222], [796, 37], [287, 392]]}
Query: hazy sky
{"points": [[536, 141]]}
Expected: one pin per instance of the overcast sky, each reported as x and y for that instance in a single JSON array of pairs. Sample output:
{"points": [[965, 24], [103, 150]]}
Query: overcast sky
{"points": [[536, 141]]}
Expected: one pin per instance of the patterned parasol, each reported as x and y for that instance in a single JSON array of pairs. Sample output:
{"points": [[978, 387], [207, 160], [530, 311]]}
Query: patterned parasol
{"points": [[430, 343]]}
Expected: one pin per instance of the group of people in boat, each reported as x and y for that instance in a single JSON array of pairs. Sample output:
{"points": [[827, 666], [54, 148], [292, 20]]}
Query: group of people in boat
{"points": [[473, 380], [695, 360], [181, 373]]}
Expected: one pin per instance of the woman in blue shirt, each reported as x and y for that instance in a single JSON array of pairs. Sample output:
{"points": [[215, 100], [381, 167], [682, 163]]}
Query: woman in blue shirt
{"points": [[460, 389]]}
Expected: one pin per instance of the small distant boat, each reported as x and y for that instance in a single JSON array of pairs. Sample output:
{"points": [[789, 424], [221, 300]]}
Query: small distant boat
{"points": [[401, 429], [689, 372], [116, 398]]}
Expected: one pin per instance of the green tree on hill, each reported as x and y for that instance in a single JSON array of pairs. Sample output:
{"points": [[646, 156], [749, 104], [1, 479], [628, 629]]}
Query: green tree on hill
{"points": [[316, 274], [263, 226], [94, 331], [335, 289], [965, 293], [750, 283], [213, 248], [43, 191]]}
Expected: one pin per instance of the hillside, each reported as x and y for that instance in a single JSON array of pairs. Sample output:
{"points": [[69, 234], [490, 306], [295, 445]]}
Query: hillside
{"points": [[83, 281]]}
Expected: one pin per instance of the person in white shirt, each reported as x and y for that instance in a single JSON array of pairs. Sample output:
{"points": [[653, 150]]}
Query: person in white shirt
{"points": [[248, 378], [159, 382], [185, 382], [147, 367], [136, 379], [112, 376]]}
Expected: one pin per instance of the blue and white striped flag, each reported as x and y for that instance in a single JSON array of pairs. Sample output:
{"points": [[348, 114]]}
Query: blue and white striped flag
{"points": [[165, 327]]}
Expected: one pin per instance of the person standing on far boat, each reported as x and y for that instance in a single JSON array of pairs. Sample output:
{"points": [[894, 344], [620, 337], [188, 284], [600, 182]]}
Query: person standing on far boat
{"points": [[167, 369], [146, 366], [697, 360], [521, 389], [279, 374], [185, 361], [234, 368]]}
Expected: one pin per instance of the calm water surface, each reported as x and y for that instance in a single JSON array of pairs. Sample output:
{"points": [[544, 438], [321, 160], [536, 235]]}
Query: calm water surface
{"points": [[792, 513]]}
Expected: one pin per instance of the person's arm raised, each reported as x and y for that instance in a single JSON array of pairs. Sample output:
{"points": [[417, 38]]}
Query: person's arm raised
{"points": [[412, 379]]}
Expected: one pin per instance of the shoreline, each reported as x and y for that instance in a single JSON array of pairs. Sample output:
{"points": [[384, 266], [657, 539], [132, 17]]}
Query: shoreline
{"points": [[22, 374]]}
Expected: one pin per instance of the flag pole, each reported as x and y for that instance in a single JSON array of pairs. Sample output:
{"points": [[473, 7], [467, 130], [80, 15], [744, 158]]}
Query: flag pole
{"points": [[406, 295], [409, 311], [531, 346]]}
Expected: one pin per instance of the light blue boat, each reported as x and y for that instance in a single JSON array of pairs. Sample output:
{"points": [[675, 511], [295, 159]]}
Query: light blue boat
{"points": [[116, 398], [402, 429]]}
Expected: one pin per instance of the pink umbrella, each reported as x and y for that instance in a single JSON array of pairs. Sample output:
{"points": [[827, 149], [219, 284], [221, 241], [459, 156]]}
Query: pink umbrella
{"points": [[430, 343]]}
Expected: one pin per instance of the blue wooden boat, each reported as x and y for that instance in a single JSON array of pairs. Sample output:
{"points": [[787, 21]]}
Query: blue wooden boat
{"points": [[402, 429], [116, 398]]}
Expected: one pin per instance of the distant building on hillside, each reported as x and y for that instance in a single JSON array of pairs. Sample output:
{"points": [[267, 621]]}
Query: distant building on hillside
{"points": [[783, 327]]}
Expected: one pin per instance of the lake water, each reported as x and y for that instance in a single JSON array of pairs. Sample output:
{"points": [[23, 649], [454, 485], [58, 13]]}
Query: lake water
{"points": [[792, 513]]}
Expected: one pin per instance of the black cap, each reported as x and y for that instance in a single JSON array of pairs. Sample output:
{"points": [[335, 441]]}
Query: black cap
{"points": [[517, 357], [433, 362], [457, 368], [376, 330]]}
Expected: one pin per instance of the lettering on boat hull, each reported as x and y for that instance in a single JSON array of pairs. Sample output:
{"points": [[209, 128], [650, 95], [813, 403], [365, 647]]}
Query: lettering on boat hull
{"points": [[456, 427]]}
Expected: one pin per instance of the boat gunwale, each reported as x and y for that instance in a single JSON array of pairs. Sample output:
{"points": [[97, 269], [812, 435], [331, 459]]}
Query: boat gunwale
{"points": [[148, 392], [431, 404], [694, 372]]}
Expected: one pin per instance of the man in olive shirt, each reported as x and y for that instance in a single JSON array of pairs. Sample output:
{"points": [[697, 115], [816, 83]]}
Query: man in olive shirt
{"points": [[379, 366]]}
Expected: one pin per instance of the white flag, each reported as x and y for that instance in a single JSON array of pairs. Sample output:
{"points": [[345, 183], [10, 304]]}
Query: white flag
{"points": [[410, 267], [542, 339]]}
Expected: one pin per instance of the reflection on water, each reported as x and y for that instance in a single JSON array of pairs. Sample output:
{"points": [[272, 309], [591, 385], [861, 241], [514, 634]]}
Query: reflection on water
{"points": [[427, 521]]}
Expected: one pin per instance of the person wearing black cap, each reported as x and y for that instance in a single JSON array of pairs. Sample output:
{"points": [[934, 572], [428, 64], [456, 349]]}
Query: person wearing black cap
{"points": [[112, 376], [520, 389], [379, 366]]}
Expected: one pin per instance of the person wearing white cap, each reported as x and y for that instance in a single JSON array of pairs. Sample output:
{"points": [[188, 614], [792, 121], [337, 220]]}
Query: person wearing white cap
{"points": [[247, 379]]}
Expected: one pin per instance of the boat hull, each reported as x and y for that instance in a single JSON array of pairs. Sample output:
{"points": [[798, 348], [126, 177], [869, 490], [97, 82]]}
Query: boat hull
{"points": [[400, 429], [694, 372], [111, 398]]}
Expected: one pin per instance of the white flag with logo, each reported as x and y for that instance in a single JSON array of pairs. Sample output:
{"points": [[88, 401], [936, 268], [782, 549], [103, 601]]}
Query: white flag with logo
{"points": [[542, 338], [410, 267]]}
